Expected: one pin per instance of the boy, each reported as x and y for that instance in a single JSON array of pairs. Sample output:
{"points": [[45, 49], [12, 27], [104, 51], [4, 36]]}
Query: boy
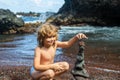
{"points": [[44, 67]]}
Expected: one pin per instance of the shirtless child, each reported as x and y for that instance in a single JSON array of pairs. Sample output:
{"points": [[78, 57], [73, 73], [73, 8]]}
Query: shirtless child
{"points": [[44, 67]]}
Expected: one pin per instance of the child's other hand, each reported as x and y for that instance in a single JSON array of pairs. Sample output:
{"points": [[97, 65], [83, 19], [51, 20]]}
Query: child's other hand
{"points": [[81, 36], [58, 68]]}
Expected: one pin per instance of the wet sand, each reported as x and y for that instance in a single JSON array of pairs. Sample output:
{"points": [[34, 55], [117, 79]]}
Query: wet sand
{"points": [[102, 63]]}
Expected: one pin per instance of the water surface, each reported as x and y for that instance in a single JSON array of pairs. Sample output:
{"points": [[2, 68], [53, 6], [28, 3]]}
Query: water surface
{"points": [[102, 49]]}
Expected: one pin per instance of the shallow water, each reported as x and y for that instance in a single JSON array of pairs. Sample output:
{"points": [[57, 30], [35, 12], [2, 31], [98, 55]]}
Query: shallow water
{"points": [[102, 49]]}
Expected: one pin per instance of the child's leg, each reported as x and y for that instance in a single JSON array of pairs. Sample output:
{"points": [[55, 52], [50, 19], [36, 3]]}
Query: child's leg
{"points": [[79, 69], [45, 75], [49, 74], [65, 67]]}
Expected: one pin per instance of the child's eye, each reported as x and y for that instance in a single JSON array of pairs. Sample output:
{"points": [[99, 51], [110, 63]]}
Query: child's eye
{"points": [[53, 36]]}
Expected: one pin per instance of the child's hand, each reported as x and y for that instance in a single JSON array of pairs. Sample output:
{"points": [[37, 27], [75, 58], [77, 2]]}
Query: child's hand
{"points": [[58, 68], [81, 36]]}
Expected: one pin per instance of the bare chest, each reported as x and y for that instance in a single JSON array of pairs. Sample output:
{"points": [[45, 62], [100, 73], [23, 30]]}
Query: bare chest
{"points": [[48, 56]]}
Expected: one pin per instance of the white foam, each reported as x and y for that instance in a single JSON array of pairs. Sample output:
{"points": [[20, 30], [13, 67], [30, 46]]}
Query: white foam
{"points": [[32, 21], [106, 70]]}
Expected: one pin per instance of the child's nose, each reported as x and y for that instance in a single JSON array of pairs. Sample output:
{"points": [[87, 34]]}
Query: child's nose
{"points": [[52, 38]]}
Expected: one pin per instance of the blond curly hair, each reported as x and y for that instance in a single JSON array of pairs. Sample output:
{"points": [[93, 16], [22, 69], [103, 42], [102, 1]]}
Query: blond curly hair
{"points": [[46, 30]]}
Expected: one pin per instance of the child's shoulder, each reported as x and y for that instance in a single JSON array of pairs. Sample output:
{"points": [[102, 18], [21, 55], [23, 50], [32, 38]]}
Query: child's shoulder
{"points": [[37, 48]]}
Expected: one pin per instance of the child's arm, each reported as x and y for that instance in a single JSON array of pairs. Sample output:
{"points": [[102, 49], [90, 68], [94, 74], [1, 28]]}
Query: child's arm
{"points": [[70, 42]]}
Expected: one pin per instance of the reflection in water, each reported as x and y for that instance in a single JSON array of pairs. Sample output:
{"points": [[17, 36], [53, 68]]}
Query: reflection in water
{"points": [[102, 49]]}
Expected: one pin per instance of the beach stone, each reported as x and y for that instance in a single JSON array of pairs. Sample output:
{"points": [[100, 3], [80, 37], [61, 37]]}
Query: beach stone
{"points": [[5, 77], [9, 22], [79, 68]]}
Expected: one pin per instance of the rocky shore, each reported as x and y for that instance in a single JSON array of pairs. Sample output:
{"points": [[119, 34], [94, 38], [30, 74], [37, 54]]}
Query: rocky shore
{"points": [[22, 73], [11, 24], [100, 70], [79, 12]]}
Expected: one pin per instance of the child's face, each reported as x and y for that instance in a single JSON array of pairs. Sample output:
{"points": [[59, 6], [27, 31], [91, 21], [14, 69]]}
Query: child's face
{"points": [[49, 41]]}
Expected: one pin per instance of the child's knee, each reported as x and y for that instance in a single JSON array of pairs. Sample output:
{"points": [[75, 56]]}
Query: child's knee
{"points": [[66, 65], [50, 73]]}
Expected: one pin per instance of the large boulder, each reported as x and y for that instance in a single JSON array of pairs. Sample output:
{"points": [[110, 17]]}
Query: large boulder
{"points": [[93, 12], [9, 23]]}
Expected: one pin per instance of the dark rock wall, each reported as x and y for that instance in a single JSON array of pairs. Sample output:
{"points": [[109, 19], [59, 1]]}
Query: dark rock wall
{"points": [[93, 12]]}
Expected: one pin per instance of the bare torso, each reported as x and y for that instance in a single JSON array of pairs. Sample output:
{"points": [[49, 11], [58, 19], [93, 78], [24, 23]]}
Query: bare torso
{"points": [[47, 55]]}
